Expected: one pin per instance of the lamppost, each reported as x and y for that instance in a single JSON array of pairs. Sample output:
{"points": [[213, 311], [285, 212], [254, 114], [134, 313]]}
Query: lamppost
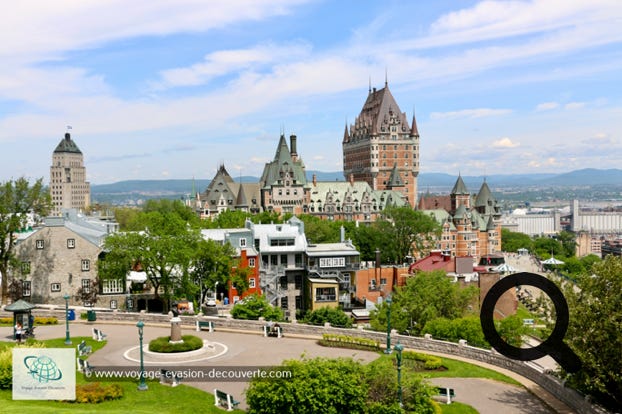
{"points": [[388, 350], [67, 338], [399, 348], [142, 384]]}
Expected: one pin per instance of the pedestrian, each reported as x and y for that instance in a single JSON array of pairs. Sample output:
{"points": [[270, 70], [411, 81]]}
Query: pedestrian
{"points": [[18, 332]]}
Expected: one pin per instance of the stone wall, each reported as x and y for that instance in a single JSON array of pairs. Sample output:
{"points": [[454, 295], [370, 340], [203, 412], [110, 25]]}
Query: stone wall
{"points": [[572, 398]]}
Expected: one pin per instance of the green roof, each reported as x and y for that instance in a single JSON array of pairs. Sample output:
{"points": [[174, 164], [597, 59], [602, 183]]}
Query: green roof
{"points": [[67, 145]]}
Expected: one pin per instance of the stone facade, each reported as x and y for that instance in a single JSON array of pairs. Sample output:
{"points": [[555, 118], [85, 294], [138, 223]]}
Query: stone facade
{"points": [[68, 186]]}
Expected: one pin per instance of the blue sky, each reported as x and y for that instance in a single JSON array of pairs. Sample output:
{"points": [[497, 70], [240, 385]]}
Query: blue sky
{"points": [[170, 89]]}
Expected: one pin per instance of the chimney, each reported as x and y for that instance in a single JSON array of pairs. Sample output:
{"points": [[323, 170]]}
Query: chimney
{"points": [[342, 234], [351, 177], [67, 136], [314, 180], [292, 145]]}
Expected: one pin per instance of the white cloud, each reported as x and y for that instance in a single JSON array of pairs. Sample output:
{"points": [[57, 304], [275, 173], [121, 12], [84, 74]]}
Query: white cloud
{"points": [[547, 106], [574, 105], [470, 113], [504, 142]]}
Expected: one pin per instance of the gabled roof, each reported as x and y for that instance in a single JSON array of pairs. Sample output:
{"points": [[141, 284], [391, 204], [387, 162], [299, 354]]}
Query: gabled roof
{"points": [[377, 110], [67, 145]]}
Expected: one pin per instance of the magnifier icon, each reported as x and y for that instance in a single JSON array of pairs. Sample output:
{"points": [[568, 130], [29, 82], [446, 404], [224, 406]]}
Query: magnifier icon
{"points": [[553, 345]]}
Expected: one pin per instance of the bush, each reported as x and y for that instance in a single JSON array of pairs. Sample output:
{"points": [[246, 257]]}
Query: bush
{"points": [[162, 344], [468, 328], [95, 392], [39, 320], [255, 306], [430, 362], [6, 364], [334, 316]]}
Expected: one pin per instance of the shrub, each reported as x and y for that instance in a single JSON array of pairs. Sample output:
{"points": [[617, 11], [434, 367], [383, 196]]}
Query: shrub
{"points": [[39, 320], [352, 342], [6, 364], [95, 392], [162, 344], [430, 362], [255, 306], [334, 316]]}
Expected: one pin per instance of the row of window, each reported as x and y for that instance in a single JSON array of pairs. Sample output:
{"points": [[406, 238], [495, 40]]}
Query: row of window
{"points": [[85, 265], [54, 287], [40, 244]]}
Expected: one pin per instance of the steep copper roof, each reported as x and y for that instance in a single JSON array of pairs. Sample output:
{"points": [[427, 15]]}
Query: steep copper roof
{"points": [[433, 202], [394, 179], [67, 145], [377, 110], [283, 163], [460, 188]]}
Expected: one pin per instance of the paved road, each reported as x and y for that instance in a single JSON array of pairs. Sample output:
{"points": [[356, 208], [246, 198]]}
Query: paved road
{"points": [[252, 350]]}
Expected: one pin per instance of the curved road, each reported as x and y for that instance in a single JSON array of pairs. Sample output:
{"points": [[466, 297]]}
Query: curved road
{"points": [[252, 350]]}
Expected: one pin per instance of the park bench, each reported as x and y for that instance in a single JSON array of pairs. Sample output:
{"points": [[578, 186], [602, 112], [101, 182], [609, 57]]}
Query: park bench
{"points": [[448, 394], [205, 324], [84, 349], [98, 335], [273, 330], [84, 366], [169, 378], [224, 400]]}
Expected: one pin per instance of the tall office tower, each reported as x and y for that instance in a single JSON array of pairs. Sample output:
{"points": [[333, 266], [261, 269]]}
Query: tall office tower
{"points": [[382, 148], [68, 185]]}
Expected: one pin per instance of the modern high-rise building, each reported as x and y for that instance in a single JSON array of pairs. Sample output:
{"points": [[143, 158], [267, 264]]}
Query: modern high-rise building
{"points": [[68, 185], [382, 147]]}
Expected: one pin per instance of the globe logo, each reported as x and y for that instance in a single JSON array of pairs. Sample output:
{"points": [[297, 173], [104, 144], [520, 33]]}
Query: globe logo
{"points": [[42, 368]]}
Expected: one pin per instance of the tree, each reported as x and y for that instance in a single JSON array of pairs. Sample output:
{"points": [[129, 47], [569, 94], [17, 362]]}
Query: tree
{"points": [[426, 296], [512, 241], [595, 330], [211, 264], [408, 229], [320, 385], [320, 231], [18, 199], [164, 250], [468, 328]]}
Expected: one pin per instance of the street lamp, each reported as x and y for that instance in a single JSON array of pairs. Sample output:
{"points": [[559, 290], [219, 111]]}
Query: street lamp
{"points": [[399, 348], [142, 385], [67, 338], [388, 350]]}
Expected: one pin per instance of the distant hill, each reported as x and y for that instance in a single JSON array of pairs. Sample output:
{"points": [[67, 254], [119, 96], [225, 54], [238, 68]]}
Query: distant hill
{"points": [[142, 189]]}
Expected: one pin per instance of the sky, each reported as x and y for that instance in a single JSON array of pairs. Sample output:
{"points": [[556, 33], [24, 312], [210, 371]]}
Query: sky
{"points": [[160, 89]]}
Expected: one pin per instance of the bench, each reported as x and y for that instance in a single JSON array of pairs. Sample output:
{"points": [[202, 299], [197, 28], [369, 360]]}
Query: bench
{"points": [[205, 324], [224, 400], [273, 330], [84, 366], [448, 394], [169, 378], [98, 335], [84, 349]]}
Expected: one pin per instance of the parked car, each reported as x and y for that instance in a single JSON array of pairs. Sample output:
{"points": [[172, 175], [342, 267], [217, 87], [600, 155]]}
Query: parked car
{"points": [[210, 302]]}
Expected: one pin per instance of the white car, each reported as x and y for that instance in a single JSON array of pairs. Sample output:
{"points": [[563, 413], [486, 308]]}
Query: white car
{"points": [[210, 302]]}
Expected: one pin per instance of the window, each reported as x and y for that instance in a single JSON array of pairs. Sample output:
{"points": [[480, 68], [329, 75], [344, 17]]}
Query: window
{"points": [[39, 243], [86, 265], [251, 283], [283, 260], [251, 262], [71, 243], [86, 285], [25, 268], [26, 286], [55, 287], [284, 302], [325, 294], [243, 242], [112, 286]]}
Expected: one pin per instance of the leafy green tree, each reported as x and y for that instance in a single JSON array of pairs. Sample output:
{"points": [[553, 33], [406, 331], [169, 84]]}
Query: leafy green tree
{"points": [[512, 330], [512, 241], [327, 386], [427, 296], [239, 278], [211, 264], [367, 239], [568, 243], [254, 307], [334, 316], [320, 231], [126, 216], [17, 199], [228, 219], [468, 328], [545, 246], [408, 229], [595, 330], [164, 250]]}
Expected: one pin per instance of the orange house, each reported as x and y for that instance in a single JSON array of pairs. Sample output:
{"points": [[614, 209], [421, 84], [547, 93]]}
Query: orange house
{"points": [[248, 258]]}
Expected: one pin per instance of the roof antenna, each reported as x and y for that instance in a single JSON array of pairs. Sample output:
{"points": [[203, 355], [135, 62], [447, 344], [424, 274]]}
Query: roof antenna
{"points": [[386, 77], [370, 84]]}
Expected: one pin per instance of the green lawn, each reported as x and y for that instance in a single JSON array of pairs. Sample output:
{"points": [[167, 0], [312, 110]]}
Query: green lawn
{"points": [[158, 398], [458, 408]]}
